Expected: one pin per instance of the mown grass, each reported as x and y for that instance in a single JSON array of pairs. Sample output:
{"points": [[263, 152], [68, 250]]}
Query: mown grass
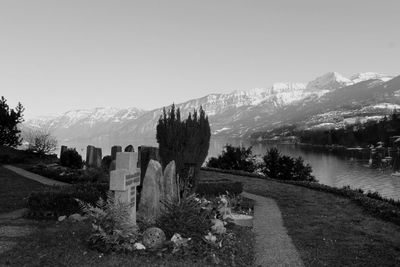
{"points": [[327, 230], [14, 189]]}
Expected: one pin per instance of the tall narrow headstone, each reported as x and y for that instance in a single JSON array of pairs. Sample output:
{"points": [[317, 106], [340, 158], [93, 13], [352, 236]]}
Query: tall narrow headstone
{"points": [[90, 150], [170, 185], [149, 206], [124, 179], [97, 157], [63, 149], [147, 153]]}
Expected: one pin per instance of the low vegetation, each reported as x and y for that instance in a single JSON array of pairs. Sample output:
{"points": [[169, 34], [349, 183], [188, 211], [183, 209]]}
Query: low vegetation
{"points": [[71, 158], [60, 201], [274, 165], [234, 158]]}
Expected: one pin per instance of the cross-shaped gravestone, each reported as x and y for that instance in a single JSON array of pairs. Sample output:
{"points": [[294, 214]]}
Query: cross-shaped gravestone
{"points": [[124, 179]]}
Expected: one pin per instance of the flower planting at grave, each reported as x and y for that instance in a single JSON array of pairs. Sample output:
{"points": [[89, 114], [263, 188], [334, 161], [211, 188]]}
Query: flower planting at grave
{"points": [[168, 224]]}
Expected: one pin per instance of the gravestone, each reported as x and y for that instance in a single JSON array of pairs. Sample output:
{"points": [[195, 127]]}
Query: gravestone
{"points": [[93, 156], [129, 148], [97, 157], [90, 150], [147, 153], [158, 188], [149, 205], [114, 151], [171, 190], [124, 180], [63, 149]]}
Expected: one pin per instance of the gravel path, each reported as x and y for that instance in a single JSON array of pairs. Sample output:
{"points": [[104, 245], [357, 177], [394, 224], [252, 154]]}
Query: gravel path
{"points": [[273, 246], [34, 176]]}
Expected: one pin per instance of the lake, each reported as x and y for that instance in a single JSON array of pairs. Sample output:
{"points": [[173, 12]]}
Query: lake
{"points": [[328, 168]]}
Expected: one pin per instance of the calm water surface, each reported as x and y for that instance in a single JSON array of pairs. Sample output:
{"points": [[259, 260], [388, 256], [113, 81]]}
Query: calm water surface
{"points": [[329, 169]]}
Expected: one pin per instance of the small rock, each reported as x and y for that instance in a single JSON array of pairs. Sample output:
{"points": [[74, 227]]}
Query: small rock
{"points": [[62, 218], [138, 246], [153, 237]]}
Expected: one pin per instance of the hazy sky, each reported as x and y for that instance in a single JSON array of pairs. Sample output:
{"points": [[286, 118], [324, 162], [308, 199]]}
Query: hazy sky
{"points": [[62, 55]]}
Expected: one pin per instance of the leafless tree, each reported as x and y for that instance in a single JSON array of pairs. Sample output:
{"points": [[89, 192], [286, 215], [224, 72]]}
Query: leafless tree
{"points": [[41, 141]]}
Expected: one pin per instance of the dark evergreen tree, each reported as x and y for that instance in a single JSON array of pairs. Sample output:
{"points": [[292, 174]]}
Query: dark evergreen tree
{"points": [[186, 142], [9, 120]]}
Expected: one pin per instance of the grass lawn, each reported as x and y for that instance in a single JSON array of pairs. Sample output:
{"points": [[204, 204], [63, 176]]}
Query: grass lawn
{"points": [[14, 189], [327, 230]]}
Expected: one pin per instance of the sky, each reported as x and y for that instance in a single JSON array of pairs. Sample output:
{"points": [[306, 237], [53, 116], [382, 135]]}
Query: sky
{"points": [[61, 55]]}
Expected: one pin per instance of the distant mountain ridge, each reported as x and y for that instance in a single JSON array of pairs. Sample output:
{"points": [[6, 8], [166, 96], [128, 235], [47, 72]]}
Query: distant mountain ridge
{"points": [[236, 114]]}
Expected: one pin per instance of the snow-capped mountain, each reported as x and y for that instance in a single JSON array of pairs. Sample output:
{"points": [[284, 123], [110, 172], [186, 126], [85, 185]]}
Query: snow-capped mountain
{"points": [[239, 113], [361, 77], [329, 81]]}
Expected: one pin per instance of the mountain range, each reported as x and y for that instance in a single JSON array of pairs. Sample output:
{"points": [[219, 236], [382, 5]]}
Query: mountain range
{"points": [[330, 100]]}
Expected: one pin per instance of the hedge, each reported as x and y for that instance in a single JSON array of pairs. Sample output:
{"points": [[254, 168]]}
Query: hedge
{"points": [[60, 201]]}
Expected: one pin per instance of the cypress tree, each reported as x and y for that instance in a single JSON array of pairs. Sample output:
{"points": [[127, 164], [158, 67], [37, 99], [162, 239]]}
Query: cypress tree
{"points": [[186, 142]]}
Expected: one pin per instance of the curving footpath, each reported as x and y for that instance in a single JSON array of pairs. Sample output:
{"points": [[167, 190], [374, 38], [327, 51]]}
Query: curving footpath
{"points": [[273, 246], [34, 176]]}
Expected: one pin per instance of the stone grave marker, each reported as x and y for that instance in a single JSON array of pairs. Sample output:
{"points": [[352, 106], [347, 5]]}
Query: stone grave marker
{"points": [[129, 148], [63, 149], [90, 150], [114, 150], [97, 157], [124, 180]]}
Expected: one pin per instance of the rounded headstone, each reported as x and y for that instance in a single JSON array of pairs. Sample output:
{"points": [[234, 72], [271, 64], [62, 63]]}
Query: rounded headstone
{"points": [[129, 149], [153, 237]]}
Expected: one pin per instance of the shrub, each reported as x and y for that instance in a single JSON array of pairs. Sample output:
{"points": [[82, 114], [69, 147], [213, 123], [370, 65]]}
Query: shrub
{"points": [[271, 160], [186, 217], [216, 188], [234, 158], [61, 200], [185, 142], [71, 158], [106, 162], [112, 227], [284, 167]]}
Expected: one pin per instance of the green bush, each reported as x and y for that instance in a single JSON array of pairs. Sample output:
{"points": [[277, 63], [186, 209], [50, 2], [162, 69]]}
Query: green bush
{"points": [[234, 158], [284, 167], [71, 158], [186, 217], [61, 200], [106, 162], [112, 227], [72, 176], [216, 188]]}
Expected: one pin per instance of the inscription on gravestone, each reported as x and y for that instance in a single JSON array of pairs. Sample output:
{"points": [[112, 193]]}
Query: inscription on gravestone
{"points": [[124, 180]]}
